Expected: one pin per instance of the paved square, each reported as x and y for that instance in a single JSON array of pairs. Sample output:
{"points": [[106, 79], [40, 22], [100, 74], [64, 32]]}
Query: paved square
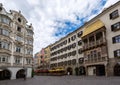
{"points": [[64, 80]]}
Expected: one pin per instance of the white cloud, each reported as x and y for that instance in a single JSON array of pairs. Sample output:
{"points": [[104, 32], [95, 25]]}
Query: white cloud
{"points": [[110, 2], [43, 14]]}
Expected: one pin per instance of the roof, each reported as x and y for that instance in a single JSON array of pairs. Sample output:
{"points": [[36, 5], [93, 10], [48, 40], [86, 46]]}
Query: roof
{"points": [[92, 27]]}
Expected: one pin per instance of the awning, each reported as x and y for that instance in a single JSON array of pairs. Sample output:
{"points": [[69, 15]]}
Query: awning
{"points": [[92, 27]]}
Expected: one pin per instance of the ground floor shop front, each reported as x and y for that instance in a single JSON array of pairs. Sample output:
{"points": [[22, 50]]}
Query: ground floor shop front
{"points": [[99, 69]]}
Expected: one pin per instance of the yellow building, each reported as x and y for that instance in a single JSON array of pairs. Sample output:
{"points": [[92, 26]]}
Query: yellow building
{"points": [[47, 57], [37, 60]]}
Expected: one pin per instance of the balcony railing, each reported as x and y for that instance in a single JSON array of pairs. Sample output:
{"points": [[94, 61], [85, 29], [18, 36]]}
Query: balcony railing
{"points": [[17, 64], [4, 64], [2, 50], [96, 60], [18, 54], [94, 44]]}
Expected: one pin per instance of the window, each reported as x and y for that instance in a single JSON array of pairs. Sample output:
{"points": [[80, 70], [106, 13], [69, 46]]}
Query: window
{"points": [[116, 39], [17, 60], [18, 38], [74, 61], [4, 45], [81, 60], [3, 59], [79, 34], [0, 30], [19, 29], [4, 32], [115, 26], [80, 51], [0, 44], [30, 42], [18, 49], [73, 45], [29, 51], [68, 40], [73, 53], [73, 37], [80, 42], [19, 20], [114, 14], [29, 33], [28, 61], [117, 53], [4, 19]]}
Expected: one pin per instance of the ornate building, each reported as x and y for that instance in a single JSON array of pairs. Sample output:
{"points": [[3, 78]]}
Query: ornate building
{"points": [[92, 49], [16, 45]]}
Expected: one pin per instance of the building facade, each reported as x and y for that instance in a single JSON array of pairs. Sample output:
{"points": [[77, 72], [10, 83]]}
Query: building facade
{"points": [[92, 49], [37, 60], [16, 45], [47, 57]]}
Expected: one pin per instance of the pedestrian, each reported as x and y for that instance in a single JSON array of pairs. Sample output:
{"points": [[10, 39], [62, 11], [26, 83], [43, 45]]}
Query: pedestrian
{"points": [[24, 76], [68, 73]]}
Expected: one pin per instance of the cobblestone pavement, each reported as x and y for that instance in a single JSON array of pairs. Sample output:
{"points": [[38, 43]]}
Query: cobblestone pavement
{"points": [[64, 80]]}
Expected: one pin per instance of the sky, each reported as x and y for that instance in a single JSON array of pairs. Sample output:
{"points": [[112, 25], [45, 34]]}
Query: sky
{"points": [[54, 19]]}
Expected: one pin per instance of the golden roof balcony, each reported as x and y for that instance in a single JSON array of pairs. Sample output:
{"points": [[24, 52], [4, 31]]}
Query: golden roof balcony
{"points": [[101, 41]]}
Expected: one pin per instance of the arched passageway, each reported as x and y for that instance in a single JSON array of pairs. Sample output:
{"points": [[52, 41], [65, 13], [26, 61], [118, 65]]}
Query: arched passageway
{"points": [[82, 70], [70, 70], [100, 70], [117, 70], [5, 74], [20, 74]]}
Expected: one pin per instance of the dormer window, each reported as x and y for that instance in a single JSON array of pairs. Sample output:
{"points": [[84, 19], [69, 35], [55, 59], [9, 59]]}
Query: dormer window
{"points": [[19, 20]]}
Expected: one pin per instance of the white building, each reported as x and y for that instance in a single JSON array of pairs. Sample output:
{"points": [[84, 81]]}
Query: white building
{"points": [[16, 45]]}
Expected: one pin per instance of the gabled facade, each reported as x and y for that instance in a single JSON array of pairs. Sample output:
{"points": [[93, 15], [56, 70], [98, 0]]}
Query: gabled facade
{"points": [[16, 45]]}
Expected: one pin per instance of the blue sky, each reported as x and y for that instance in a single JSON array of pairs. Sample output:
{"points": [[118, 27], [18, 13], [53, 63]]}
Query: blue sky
{"points": [[70, 26], [54, 19]]}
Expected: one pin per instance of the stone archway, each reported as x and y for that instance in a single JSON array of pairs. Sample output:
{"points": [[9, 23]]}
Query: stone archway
{"points": [[20, 73], [70, 70], [5, 74], [117, 69]]}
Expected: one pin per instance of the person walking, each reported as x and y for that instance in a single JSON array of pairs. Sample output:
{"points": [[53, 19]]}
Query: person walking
{"points": [[24, 76]]}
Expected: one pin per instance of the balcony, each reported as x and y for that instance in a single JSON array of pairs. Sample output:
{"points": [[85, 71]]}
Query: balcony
{"points": [[18, 54], [19, 33], [96, 60], [17, 64], [4, 64], [94, 44], [28, 55], [5, 37], [100, 42], [2, 50], [19, 42]]}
